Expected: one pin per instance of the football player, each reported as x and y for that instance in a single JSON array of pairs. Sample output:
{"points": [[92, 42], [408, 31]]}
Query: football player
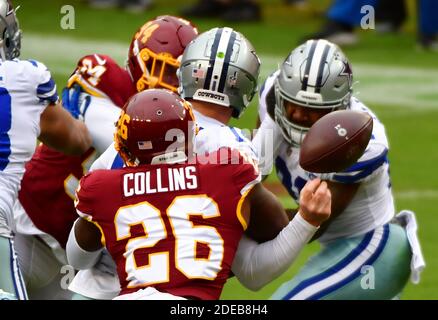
{"points": [[361, 240], [45, 209], [171, 228], [218, 75], [95, 93], [29, 110]]}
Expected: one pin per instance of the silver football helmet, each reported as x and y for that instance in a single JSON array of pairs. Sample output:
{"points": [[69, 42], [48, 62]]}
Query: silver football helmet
{"points": [[220, 66], [315, 75], [10, 33]]}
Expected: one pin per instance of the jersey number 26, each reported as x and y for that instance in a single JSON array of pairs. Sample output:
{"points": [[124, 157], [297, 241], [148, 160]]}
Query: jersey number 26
{"points": [[186, 236]]}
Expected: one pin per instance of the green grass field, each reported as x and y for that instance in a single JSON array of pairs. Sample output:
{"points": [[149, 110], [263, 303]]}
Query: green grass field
{"points": [[397, 80]]}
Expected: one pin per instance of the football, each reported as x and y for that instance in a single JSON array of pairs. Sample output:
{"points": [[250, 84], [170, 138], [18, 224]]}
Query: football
{"points": [[336, 141]]}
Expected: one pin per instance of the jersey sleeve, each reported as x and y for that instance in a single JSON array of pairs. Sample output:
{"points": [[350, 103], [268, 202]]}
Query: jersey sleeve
{"points": [[110, 159], [246, 174], [100, 118], [375, 156], [84, 195], [46, 89], [100, 76]]}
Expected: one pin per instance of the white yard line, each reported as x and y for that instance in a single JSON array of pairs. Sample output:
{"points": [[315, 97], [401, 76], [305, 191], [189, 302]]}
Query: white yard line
{"points": [[417, 194], [411, 88]]}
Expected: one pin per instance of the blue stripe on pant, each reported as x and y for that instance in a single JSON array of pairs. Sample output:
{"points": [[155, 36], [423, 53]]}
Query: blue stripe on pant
{"points": [[17, 278], [357, 273], [336, 272]]}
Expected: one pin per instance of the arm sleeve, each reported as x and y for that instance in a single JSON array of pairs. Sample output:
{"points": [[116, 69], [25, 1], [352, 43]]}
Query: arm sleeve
{"points": [[77, 257], [84, 197], [255, 265]]}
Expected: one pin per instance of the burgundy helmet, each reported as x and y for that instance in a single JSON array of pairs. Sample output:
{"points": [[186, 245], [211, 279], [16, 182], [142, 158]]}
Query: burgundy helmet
{"points": [[155, 126], [155, 52]]}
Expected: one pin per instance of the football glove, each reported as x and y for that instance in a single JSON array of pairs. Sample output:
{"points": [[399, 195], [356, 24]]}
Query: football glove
{"points": [[76, 101]]}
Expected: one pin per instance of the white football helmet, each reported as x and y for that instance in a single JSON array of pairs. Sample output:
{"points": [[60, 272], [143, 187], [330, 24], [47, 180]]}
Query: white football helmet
{"points": [[10, 33], [315, 75]]}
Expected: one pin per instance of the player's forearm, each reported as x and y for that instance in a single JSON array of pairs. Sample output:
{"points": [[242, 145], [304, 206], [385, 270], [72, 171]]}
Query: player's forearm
{"points": [[77, 257], [60, 131], [79, 140], [72, 143], [255, 265]]}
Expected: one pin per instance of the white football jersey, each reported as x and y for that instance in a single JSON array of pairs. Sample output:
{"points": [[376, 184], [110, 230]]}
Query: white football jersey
{"points": [[100, 119], [212, 135], [26, 89], [373, 204]]}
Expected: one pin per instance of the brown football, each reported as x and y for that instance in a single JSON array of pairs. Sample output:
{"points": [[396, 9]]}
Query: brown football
{"points": [[336, 141]]}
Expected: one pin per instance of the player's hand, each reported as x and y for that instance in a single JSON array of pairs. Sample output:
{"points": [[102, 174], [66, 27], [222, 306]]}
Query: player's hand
{"points": [[75, 101], [315, 202]]}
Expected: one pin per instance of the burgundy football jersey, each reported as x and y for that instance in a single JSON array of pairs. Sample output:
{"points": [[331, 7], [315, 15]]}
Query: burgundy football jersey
{"points": [[173, 227], [101, 76], [48, 190]]}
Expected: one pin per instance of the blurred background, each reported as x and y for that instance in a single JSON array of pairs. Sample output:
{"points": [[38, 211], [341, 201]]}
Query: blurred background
{"points": [[395, 70]]}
